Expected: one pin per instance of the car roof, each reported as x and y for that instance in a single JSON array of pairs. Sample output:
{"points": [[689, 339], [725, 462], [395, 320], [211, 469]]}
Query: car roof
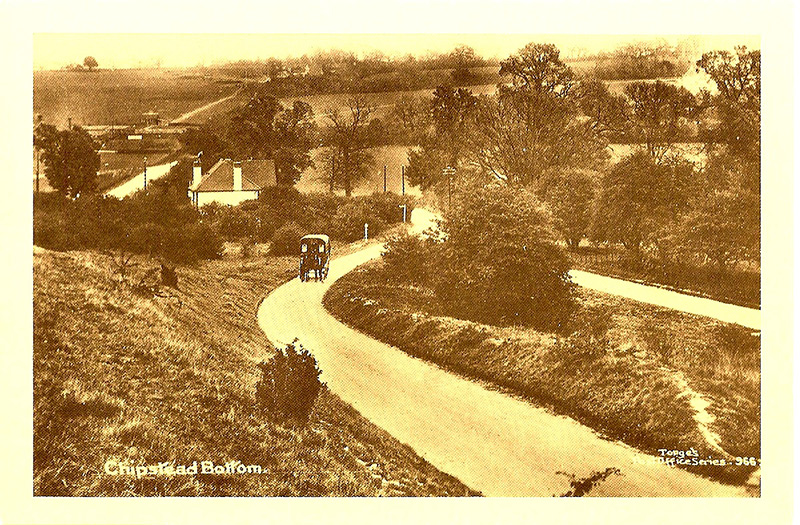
{"points": [[316, 237]]}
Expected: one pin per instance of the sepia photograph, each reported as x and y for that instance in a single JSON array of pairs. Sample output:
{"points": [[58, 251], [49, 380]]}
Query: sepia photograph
{"points": [[409, 265]]}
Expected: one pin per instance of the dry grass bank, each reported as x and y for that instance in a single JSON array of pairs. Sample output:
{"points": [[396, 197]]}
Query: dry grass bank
{"points": [[141, 380]]}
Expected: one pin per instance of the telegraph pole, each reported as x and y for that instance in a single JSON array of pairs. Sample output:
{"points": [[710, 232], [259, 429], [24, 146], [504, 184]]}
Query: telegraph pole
{"points": [[37, 148], [145, 172], [449, 171], [403, 178], [384, 178]]}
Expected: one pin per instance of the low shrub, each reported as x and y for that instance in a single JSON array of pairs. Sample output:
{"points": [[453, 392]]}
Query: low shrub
{"points": [[409, 258], [286, 240], [289, 384], [348, 223], [386, 206]]}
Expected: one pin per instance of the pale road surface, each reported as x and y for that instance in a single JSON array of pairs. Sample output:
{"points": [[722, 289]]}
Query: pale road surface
{"points": [[194, 112], [729, 313], [137, 183], [492, 442]]}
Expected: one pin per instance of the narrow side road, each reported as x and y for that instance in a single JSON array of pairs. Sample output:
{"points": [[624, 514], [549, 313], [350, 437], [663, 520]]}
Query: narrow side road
{"points": [[494, 443], [729, 313], [137, 183]]}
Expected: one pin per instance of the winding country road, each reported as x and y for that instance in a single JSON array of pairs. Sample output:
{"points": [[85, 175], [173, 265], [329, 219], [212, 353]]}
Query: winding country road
{"points": [[494, 443]]}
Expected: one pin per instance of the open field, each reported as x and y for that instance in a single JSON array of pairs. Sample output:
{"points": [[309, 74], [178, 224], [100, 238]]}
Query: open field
{"points": [[648, 376], [125, 376], [120, 96]]}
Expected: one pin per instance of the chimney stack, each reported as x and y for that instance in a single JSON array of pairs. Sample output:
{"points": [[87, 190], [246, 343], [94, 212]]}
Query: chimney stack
{"points": [[197, 173], [237, 176]]}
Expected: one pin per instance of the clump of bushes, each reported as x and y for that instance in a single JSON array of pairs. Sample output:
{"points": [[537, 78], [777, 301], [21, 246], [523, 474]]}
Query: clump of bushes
{"points": [[348, 223], [340, 217], [286, 240], [408, 258], [499, 263], [289, 384], [154, 223]]}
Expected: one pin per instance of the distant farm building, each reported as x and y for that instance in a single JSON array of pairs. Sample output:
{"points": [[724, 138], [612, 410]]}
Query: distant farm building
{"points": [[151, 118], [231, 182]]}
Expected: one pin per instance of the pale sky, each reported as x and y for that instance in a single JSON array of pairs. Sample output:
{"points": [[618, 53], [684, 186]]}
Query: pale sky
{"points": [[124, 50]]}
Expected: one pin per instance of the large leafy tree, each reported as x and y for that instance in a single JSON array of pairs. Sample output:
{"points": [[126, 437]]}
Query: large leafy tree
{"points": [[349, 140], [658, 113], [70, 159], [451, 111], [520, 134], [534, 125], [443, 143], [641, 199], [538, 67], [263, 128], [738, 103], [296, 132]]}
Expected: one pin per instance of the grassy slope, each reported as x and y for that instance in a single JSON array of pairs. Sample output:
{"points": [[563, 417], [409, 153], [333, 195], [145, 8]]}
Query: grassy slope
{"points": [[629, 388], [148, 379]]}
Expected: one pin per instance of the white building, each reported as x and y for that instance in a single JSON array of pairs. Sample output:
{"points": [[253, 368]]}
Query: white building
{"points": [[231, 182]]}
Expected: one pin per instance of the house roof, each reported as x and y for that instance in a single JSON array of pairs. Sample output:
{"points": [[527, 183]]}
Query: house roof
{"points": [[256, 174]]}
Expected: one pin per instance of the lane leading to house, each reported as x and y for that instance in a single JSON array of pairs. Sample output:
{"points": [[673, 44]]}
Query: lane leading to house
{"points": [[137, 183]]}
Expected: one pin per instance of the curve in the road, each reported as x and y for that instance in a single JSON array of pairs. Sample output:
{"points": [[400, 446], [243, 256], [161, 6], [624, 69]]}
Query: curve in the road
{"points": [[497, 444]]}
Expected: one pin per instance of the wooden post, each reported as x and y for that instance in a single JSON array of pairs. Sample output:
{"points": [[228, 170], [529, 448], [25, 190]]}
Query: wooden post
{"points": [[333, 170], [145, 173], [403, 178], [384, 178]]}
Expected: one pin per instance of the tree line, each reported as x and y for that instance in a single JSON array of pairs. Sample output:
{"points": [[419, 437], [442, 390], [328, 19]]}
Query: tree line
{"points": [[548, 132]]}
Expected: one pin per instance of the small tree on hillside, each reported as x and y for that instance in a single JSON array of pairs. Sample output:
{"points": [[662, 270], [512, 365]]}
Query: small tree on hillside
{"points": [[90, 62]]}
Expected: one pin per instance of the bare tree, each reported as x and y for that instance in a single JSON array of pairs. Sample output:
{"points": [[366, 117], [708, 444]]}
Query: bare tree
{"points": [[349, 139]]}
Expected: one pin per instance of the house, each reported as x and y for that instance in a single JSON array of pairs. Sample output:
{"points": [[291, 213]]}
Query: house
{"points": [[231, 182]]}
